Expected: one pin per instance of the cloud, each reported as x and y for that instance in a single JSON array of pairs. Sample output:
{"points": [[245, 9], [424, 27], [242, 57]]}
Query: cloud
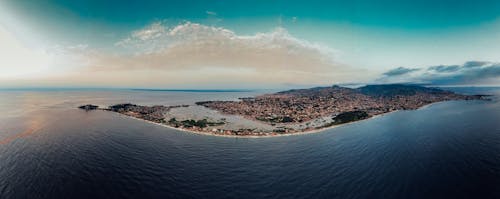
{"points": [[400, 71], [191, 45], [211, 13], [444, 68], [469, 73], [185, 49], [470, 64]]}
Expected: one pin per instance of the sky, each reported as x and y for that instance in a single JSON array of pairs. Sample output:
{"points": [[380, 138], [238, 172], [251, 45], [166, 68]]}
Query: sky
{"points": [[248, 44]]}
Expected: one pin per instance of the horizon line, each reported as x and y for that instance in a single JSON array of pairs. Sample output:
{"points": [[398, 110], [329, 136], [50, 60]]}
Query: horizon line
{"points": [[218, 89]]}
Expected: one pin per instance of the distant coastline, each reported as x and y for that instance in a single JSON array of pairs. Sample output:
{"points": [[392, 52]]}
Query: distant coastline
{"points": [[196, 90], [292, 112]]}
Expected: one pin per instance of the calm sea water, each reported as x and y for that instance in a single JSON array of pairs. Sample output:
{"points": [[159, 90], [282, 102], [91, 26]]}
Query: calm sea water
{"points": [[50, 149]]}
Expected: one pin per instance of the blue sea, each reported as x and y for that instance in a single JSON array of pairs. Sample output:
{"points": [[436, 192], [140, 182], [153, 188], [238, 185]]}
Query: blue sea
{"points": [[51, 149]]}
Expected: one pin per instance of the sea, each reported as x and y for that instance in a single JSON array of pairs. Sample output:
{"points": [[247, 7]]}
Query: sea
{"points": [[51, 149]]}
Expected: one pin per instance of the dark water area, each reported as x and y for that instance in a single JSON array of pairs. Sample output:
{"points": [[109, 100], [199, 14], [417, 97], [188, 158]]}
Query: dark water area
{"points": [[50, 149]]}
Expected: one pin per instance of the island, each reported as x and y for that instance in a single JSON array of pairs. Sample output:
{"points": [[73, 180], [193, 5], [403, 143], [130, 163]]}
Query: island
{"points": [[295, 111], [88, 107]]}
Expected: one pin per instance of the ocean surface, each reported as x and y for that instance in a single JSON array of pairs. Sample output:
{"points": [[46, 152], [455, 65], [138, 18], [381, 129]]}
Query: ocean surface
{"points": [[50, 149]]}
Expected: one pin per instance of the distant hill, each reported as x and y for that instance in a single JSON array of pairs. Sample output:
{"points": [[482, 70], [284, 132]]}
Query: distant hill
{"points": [[390, 90], [316, 91], [380, 90]]}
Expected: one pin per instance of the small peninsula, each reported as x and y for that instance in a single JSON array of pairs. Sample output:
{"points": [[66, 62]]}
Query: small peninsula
{"points": [[294, 111]]}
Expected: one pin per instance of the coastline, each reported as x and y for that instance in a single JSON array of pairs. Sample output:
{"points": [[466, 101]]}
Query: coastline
{"points": [[349, 106], [235, 136], [320, 130]]}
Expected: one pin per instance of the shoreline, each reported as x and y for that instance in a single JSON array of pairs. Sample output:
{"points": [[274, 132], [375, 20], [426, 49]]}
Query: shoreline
{"points": [[330, 107], [320, 130]]}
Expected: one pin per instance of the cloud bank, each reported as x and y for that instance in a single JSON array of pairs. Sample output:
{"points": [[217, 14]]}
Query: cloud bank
{"points": [[468, 73], [192, 45], [189, 48]]}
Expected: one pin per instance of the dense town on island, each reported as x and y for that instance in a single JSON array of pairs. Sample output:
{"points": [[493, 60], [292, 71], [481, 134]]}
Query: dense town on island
{"points": [[298, 106]]}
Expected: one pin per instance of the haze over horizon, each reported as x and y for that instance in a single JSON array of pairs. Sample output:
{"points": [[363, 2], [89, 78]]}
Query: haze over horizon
{"points": [[258, 44]]}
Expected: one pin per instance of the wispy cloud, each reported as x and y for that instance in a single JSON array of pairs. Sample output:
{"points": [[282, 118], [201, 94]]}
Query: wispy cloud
{"points": [[211, 13], [471, 64], [444, 68], [400, 71], [469, 73], [19, 61]]}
